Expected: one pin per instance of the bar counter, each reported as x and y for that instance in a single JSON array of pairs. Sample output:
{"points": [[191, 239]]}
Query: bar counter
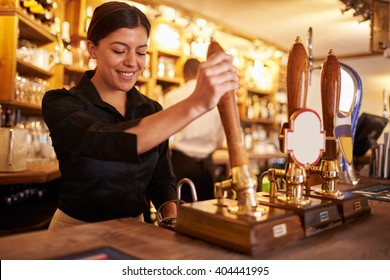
{"points": [[367, 238], [38, 172]]}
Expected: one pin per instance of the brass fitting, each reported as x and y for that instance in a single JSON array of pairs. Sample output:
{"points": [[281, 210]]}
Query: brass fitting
{"points": [[273, 176], [328, 170], [242, 187], [296, 177], [245, 185], [222, 188]]}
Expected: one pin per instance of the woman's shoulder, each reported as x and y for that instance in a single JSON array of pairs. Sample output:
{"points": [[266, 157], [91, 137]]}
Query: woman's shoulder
{"points": [[53, 93], [60, 97], [142, 98], [63, 92], [58, 91]]}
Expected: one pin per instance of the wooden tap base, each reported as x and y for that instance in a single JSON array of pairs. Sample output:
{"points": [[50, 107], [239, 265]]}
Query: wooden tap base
{"points": [[317, 217], [211, 221], [350, 205]]}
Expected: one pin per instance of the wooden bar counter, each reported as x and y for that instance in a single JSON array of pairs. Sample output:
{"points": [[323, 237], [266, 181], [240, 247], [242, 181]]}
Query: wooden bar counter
{"points": [[365, 238], [35, 173]]}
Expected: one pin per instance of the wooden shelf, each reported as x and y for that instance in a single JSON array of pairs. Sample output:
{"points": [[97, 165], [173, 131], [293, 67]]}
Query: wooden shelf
{"points": [[142, 80], [28, 69], [258, 92], [29, 28], [257, 121], [169, 53], [174, 80], [27, 108], [75, 69]]}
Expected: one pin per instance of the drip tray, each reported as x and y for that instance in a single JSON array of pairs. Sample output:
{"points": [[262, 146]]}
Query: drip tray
{"points": [[375, 192]]}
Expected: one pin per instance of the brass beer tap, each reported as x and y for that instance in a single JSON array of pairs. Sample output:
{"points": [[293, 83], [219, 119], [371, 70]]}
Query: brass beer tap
{"points": [[243, 181], [247, 225], [294, 175], [328, 169]]}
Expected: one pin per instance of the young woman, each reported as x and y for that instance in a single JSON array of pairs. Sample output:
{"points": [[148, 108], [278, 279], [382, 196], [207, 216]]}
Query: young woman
{"points": [[110, 140]]}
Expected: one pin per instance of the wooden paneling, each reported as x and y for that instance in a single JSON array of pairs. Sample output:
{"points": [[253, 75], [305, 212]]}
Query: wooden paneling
{"points": [[8, 40]]}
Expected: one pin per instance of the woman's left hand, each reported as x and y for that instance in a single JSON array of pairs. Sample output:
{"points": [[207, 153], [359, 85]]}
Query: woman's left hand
{"points": [[169, 210]]}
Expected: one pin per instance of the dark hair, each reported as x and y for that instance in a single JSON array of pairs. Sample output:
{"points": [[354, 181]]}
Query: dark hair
{"points": [[190, 68], [111, 16]]}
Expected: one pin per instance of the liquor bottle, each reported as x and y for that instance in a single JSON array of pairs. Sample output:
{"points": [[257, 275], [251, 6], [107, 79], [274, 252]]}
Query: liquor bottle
{"points": [[67, 55], [36, 10], [18, 118], [47, 4], [88, 18], [28, 3], [2, 116], [47, 18], [9, 117]]}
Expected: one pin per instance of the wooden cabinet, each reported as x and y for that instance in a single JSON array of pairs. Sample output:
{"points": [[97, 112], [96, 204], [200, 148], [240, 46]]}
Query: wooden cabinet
{"points": [[21, 80], [164, 61]]}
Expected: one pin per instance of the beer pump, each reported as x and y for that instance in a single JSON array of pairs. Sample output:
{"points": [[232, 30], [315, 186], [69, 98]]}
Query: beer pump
{"points": [[241, 224], [330, 94], [350, 205], [303, 140]]}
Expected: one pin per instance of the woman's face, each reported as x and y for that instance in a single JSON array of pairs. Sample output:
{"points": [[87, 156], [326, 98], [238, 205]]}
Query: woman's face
{"points": [[120, 59]]}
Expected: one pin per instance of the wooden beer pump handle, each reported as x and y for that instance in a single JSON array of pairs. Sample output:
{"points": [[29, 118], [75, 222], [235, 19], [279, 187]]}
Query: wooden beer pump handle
{"points": [[330, 95], [296, 81], [228, 111], [297, 77]]}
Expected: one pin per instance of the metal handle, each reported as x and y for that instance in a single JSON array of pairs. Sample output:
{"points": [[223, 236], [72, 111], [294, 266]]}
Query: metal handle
{"points": [[170, 222], [11, 146], [192, 188]]}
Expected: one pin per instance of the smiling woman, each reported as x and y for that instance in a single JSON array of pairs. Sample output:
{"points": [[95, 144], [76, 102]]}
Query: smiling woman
{"points": [[111, 140], [120, 60]]}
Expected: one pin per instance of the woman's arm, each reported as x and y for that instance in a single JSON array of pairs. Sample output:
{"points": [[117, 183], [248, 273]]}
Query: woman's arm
{"points": [[216, 76]]}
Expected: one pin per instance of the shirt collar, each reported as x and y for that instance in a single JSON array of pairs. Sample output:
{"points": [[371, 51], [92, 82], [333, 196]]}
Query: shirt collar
{"points": [[89, 92]]}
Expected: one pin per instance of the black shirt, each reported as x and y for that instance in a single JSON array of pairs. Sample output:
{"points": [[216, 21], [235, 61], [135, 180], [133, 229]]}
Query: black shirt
{"points": [[102, 175]]}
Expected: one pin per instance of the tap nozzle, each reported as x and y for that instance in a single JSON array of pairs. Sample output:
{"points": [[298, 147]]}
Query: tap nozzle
{"points": [[245, 186], [273, 176], [329, 173], [295, 178], [221, 189]]}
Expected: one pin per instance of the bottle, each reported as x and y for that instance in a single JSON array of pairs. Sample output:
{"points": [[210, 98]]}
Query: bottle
{"points": [[47, 4], [36, 10], [256, 106], [271, 110], [88, 18], [18, 118], [47, 18], [249, 108], [28, 3], [248, 140], [67, 55], [9, 117], [2, 116]]}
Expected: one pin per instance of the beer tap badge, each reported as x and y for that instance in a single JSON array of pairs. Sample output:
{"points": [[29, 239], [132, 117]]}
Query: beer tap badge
{"points": [[343, 135], [305, 139]]}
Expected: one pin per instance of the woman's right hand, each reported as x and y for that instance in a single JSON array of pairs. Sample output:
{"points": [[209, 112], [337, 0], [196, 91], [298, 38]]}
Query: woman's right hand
{"points": [[216, 76]]}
